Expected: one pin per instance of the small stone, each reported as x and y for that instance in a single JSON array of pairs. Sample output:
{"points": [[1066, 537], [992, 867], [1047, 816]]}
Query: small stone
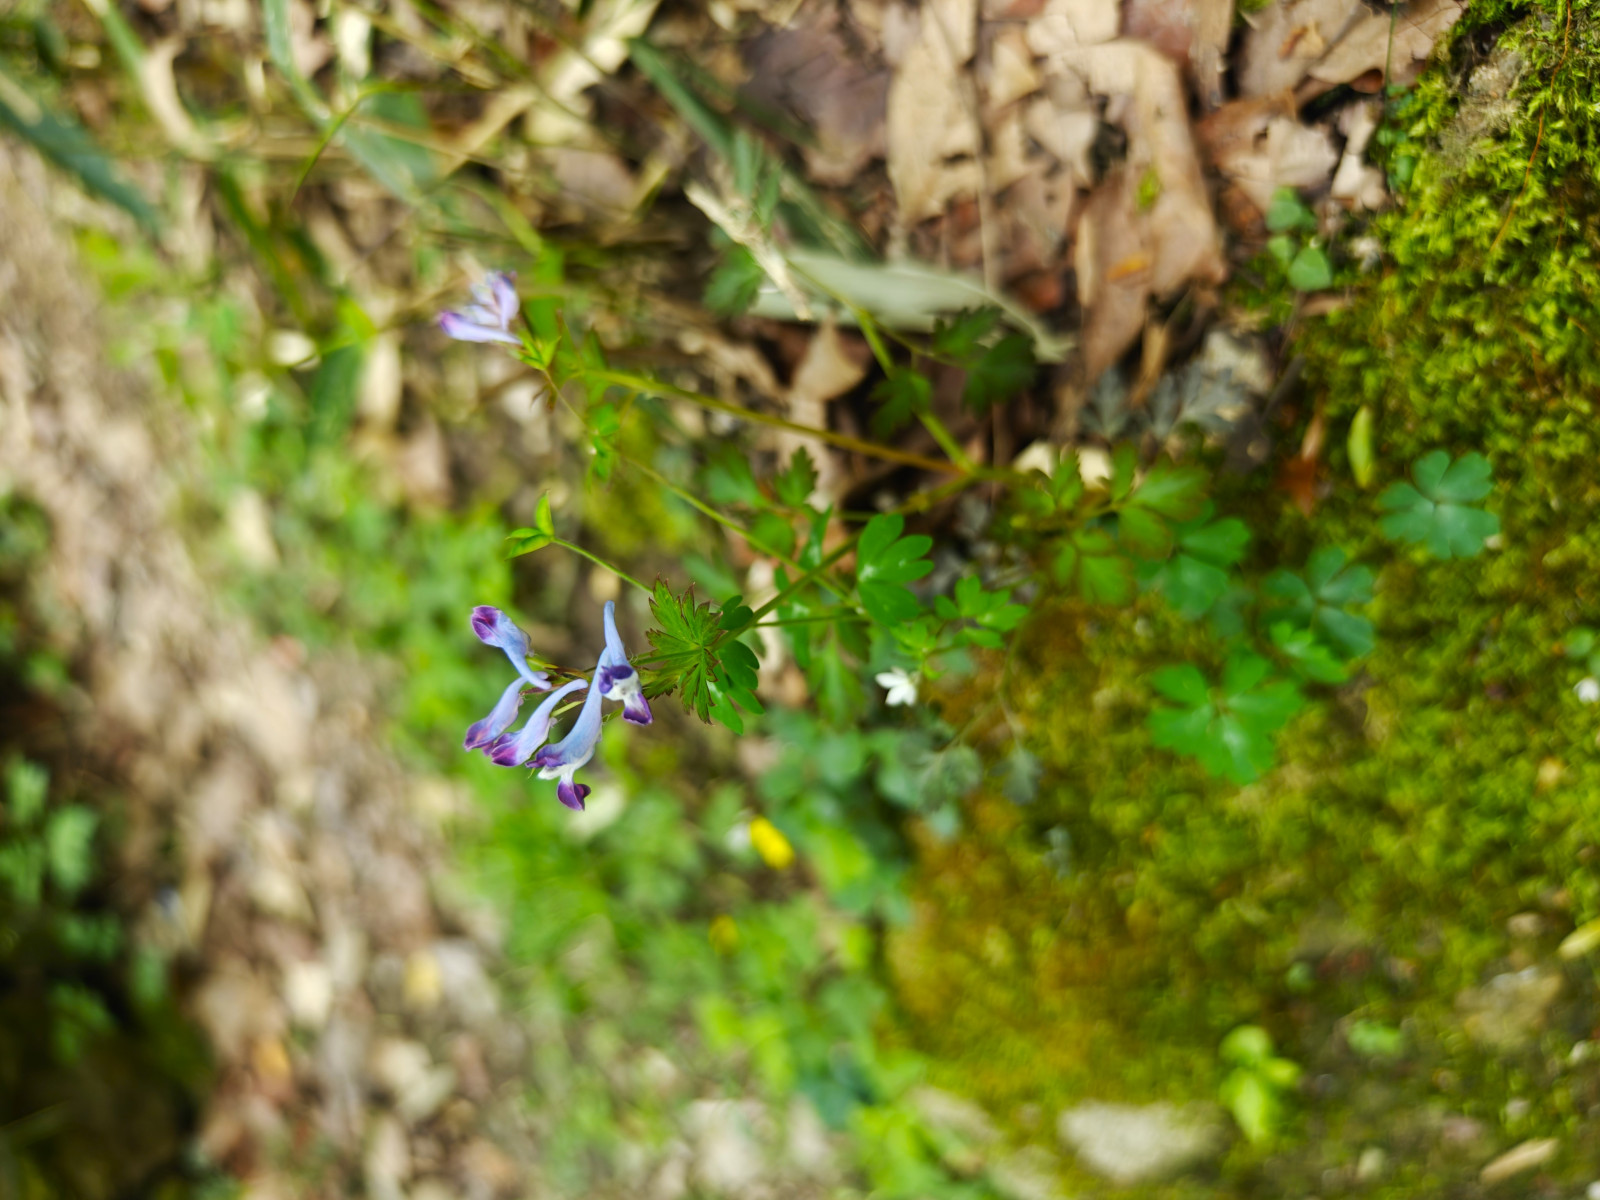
{"points": [[952, 1114], [1032, 1173], [728, 1160], [387, 1162], [423, 986], [308, 991], [807, 1142], [486, 1165], [1525, 925], [1461, 1131], [1371, 1165], [1510, 1010], [1131, 1144], [1525, 1157], [398, 1064]]}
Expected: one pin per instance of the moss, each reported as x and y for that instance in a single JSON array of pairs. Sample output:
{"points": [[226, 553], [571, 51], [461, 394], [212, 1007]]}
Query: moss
{"points": [[1100, 941]]}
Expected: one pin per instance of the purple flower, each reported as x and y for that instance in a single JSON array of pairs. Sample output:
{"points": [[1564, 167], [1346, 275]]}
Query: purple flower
{"points": [[615, 677], [481, 733], [488, 318], [494, 628], [562, 759], [513, 751]]}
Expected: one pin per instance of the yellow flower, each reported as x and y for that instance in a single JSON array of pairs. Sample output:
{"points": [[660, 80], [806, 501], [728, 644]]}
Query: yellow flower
{"points": [[770, 843]]}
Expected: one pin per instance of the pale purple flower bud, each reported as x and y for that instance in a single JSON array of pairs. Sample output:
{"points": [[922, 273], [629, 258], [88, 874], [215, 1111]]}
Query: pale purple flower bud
{"points": [[562, 759], [512, 751], [488, 318], [494, 628], [615, 677], [482, 733]]}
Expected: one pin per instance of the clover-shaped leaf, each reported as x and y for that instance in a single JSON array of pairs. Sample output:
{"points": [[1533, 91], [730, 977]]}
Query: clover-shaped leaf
{"points": [[1308, 657], [1228, 729], [1321, 600], [1437, 513], [1196, 575]]}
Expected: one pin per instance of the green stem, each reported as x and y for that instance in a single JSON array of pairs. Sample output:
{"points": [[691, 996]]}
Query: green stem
{"points": [[838, 614], [641, 383], [600, 562], [941, 433], [809, 577]]}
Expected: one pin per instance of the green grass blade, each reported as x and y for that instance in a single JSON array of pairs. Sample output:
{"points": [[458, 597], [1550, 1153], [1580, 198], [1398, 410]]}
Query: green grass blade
{"points": [[60, 138]]}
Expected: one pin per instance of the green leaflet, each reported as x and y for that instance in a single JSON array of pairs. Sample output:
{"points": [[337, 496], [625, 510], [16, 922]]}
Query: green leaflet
{"points": [[1229, 728], [1437, 512]]}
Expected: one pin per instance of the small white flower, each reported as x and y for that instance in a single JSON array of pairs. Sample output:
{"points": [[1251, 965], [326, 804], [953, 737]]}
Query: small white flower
{"points": [[902, 687], [1588, 689]]}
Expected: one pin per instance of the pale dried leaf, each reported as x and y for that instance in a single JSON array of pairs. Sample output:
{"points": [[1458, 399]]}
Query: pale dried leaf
{"points": [[807, 68], [1213, 26], [1261, 148], [1366, 46], [829, 368], [571, 70], [1356, 180], [1009, 160], [1071, 24], [1113, 268], [1287, 38], [1181, 231], [1066, 130], [929, 123], [1012, 74], [1035, 218]]}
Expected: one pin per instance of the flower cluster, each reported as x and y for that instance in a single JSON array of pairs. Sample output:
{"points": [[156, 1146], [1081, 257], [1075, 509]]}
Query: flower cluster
{"points": [[615, 679]]}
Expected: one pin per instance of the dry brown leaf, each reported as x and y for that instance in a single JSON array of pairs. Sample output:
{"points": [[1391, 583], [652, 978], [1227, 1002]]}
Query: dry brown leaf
{"points": [[1181, 230], [807, 67], [1260, 147], [1213, 26], [1113, 267], [830, 367], [597, 180], [1034, 221], [1192, 33], [1065, 123], [1009, 161], [932, 136], [1286, 39], [1366, 46]]}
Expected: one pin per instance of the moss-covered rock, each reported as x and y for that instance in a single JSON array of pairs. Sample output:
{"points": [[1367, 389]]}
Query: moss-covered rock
{"points": [[1102, 940]]}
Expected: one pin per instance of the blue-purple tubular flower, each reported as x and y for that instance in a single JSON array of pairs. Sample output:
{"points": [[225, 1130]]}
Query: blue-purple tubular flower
{"points": [[512, 750], [488, 318], [494, 628], [562, 759], [481, 733], [615, 677]]}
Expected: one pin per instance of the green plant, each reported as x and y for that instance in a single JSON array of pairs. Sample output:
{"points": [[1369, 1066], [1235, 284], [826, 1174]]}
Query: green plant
{"points": [[1437, 512], [1228, 728], [1256, 1087], [1306, 264]]}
